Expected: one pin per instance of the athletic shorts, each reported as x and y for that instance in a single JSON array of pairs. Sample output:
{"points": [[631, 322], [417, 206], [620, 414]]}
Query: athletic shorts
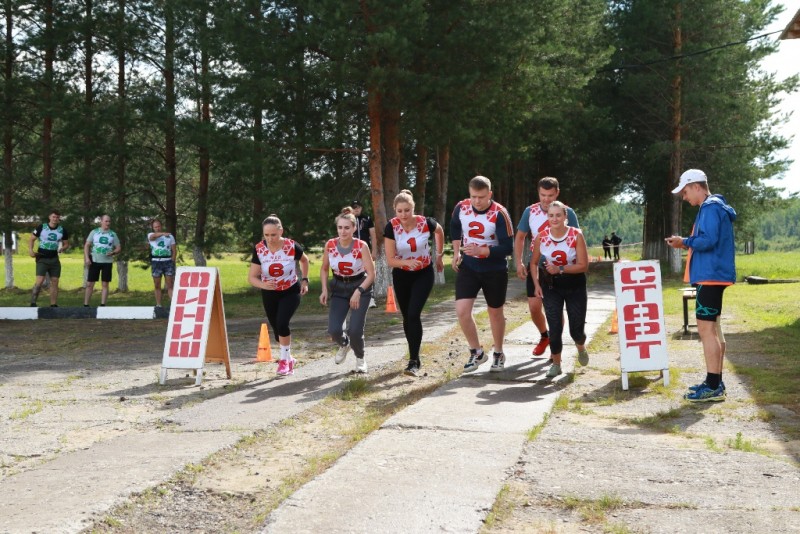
{"points": [[708, 304], [530, 288], [493, 283], [96, 269], [163, 268], [48, 265]]}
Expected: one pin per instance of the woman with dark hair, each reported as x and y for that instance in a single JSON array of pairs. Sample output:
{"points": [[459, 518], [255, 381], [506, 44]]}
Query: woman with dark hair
{"points": [[273, 271]]}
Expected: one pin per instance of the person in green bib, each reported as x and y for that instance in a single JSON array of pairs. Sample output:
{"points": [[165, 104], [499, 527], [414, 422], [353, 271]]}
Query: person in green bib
{"points": [[53, 238], [163, 251], [98, 254]]}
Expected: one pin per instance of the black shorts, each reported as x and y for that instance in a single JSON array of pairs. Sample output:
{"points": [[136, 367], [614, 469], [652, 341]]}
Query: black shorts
{"points": [[95, 269], [493, 283], [708, 303]]}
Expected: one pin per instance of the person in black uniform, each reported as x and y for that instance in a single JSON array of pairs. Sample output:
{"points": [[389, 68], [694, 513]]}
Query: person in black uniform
{"points": [[365, 231]]}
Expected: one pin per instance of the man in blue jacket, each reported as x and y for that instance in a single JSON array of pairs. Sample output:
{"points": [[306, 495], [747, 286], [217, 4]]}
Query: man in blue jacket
{"points": [[710, 268]]}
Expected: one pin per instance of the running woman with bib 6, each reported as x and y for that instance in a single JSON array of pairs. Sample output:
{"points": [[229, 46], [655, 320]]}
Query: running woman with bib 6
{"points": [[273, 271]]}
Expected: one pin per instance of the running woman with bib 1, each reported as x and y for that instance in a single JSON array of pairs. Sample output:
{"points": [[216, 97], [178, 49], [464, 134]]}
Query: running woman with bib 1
{"points": [[273, 270], [561, 280], [350, 290], [533, 221], [408, 253], [53, 239], [481, 232], [98, 254]]}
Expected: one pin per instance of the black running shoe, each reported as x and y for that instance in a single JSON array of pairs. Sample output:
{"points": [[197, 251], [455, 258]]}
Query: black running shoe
{"points": [[412, 369]]}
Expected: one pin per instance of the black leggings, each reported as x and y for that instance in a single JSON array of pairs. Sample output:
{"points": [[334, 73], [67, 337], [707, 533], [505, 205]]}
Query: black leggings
{"points": [[412, 289], [280, 307], [575, 297]]}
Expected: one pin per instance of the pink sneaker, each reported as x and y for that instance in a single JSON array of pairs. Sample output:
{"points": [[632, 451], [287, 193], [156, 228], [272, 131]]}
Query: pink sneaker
{"points": [[292, 361], [283, 368]]}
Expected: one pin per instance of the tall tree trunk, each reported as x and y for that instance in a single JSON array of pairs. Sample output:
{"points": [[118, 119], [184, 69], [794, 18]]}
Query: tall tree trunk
{"points": [[258, 151], [121, 155], [6, 227], [171, 211], [88, 207], [376, 183], [204, 153], [47, 102], [258, 185], [421, 177], [442, 177], [390, 136], [675, 162]]}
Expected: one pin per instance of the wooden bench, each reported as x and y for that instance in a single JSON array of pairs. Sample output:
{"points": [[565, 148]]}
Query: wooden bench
{"points": [[689, 293]]}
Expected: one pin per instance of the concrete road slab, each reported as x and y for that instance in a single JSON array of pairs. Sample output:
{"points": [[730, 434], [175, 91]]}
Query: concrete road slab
{"points": [[479, 406], [73, 490], [404, 481]]}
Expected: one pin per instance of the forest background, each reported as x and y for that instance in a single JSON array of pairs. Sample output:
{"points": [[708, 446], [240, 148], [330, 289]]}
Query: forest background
{"points": [[211, 115]]}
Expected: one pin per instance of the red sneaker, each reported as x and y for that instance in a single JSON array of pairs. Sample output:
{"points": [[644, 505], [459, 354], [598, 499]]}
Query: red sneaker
{"points": [[539, 349]]}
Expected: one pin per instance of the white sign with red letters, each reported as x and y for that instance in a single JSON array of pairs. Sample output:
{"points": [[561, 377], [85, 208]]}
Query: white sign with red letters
{"points": [[197, 331], [640, 315]]}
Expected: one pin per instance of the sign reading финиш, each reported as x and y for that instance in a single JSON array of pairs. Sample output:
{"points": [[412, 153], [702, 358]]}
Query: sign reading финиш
{"points": [[640, 315], [197, 331]]}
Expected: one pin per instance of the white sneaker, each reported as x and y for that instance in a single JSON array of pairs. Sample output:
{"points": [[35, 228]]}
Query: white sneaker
{"points": [[341, 355], [361, 365], [372, 303], [498, 363]]}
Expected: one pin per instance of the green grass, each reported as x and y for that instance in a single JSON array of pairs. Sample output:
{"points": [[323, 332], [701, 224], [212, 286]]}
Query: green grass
{"points": [[240, 299]]}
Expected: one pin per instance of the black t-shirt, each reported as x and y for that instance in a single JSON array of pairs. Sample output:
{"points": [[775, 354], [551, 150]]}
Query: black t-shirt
{"points": [[363, 225]]}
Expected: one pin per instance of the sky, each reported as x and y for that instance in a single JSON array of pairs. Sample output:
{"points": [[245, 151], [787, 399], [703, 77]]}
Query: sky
{"points": [[786, 62]]}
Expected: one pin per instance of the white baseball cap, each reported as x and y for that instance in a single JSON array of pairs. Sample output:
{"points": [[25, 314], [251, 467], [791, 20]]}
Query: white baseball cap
{"points": [[692, 176]]}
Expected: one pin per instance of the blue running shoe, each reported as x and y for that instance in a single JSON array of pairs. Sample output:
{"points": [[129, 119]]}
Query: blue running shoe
{"points": [[698, 386], [706, 394]]}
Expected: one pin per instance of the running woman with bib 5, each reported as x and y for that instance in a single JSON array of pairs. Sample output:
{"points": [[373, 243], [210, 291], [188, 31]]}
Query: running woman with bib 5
{"points": [[561, 280], [273, 271], [408, 253], [351, 288]]}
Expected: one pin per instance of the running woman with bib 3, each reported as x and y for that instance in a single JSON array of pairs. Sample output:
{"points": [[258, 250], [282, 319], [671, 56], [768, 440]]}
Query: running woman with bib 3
{"points": [[407, 243], [533, 221], [561, 280], [273, 271], [350, 289]]}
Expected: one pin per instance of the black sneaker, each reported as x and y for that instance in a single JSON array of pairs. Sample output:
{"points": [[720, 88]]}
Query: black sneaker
{"points": [[412, 369], [54, 305], [33, 305]]}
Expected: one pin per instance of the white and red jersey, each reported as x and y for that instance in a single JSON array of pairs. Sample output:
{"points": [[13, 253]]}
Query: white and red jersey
{"points": [[481, 228], [560, 252], [280, 266], [413, 245], [537, 219], [350, 264]]}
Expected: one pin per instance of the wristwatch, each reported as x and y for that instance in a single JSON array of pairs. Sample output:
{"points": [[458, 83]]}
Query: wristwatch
{"points": [[361, 290], [304, 280], [561, 269]]}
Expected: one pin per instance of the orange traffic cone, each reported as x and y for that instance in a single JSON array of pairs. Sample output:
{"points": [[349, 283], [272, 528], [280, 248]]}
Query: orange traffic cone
{"points": [[391, 305], [614, 326], [264, 353]]}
